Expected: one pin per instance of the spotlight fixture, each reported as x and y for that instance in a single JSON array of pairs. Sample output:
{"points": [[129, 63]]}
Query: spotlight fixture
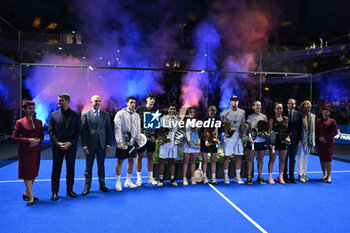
{"points": [[90, 67], [60, 48]]}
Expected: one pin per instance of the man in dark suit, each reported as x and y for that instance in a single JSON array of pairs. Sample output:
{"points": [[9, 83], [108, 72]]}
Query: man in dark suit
{"points": [[64, 131], [295, 130], [95, 139]]}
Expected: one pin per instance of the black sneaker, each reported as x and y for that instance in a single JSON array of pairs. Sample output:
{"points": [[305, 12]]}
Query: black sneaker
{"points": [[160, 183], [249, 180], [173, 182], [261, 180]]}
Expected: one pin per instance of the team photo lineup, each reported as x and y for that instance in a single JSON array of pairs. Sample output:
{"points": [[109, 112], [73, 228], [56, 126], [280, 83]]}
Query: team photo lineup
{"points": [[289, 133]]}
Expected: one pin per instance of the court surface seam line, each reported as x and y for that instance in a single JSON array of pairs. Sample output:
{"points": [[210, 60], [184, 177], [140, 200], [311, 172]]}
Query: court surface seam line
{"points": [[238, 209], [113, 178]]}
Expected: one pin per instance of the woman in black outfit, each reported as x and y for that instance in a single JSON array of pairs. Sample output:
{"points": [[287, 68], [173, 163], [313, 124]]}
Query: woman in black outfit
{"points": [[278, 124], [210, 138]]}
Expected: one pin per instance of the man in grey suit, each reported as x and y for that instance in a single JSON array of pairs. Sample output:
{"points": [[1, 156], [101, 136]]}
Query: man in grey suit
{"points": [[95, 140], [64, 130]]}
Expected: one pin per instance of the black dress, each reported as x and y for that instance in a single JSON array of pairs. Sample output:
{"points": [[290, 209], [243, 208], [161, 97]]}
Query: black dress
{"points": [[277, 126]]}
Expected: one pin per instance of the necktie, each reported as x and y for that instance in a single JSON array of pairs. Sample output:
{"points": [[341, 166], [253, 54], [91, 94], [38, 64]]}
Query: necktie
{"points": [[290, 116], [97, 117]]}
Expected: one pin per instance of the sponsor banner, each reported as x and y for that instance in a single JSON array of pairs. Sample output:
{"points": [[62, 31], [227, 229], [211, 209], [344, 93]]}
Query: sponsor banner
{"points": [[343, 136]]}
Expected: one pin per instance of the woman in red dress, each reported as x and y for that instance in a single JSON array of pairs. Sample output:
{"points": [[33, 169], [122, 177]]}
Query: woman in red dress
{"points": [[28, 132], [326, 129]]}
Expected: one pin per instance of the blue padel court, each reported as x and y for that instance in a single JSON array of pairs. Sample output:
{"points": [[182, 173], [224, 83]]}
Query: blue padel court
{"points": [[304, 207]]}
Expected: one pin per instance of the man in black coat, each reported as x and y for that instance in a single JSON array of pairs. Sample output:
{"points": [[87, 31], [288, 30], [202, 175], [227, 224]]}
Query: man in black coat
{"points": [[295, 130], [64, 131], [96, 139]]}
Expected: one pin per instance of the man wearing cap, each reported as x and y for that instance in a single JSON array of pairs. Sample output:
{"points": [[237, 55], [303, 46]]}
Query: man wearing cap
{"points": [[233, 144], [64, 131], [95, 140], [168, 150], [150, 145]]}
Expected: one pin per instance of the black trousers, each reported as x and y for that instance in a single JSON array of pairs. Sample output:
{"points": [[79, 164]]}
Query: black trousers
{"points": [[290, 160], [58, 155]]}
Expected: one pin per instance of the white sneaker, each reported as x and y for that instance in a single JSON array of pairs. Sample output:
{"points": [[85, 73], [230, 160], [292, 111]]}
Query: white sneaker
{"points": [[193, 182], [205, 181], [129, 184], [152, 181], [173, 182], [226, 180], [118, 186], [213, 181], [238, 180], [160, 183], [184, 181], [139, 183]]}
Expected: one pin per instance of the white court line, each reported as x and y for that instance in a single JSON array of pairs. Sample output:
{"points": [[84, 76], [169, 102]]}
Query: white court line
{"points": [[38, 180], [238, 209]]}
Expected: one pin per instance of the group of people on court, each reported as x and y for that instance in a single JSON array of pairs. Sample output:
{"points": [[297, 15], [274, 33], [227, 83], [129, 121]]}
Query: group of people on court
{"points": [[295, 133]]}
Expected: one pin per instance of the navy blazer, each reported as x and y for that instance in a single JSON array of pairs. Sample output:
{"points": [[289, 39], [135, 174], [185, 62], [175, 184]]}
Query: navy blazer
{"points": [[93, 133], [295, 126], [59, 132]]}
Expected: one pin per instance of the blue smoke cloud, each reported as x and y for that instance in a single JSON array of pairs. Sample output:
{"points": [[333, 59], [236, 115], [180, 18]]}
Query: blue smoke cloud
{"points": [[207, 41]]}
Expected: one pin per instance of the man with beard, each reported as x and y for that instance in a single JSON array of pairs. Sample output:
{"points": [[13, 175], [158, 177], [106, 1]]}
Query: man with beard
{"points": [[64, 131]]}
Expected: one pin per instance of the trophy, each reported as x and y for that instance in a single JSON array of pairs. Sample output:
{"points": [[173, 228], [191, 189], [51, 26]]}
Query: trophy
{"points": [[262, 127], [150, 134], [126, 138], [163, 135], [227, 129], [211, 136], [243, 129], [283, 134]]}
